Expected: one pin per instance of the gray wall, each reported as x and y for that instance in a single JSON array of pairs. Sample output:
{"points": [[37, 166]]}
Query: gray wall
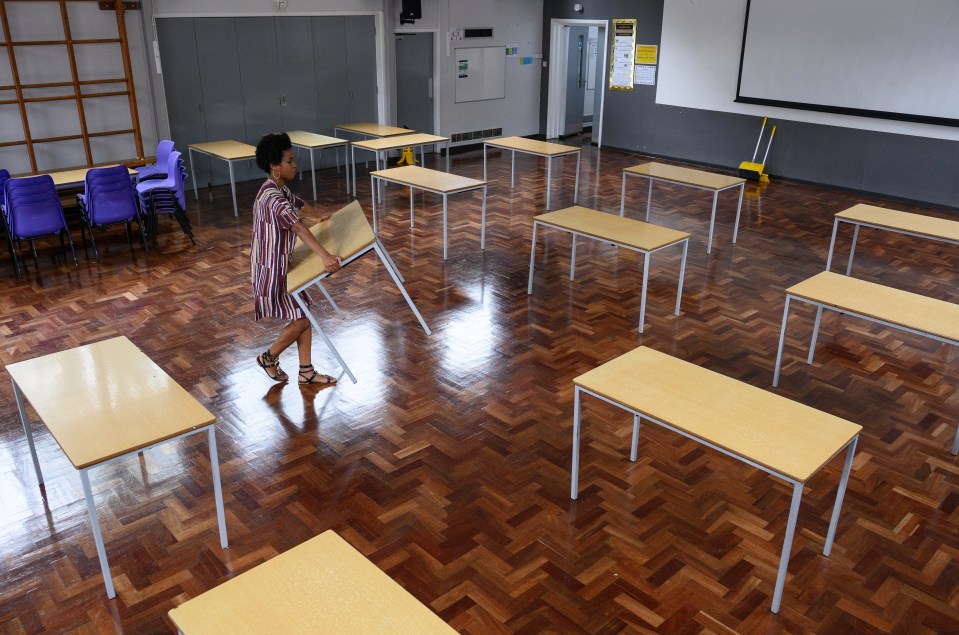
{"points": [[893, 165]]}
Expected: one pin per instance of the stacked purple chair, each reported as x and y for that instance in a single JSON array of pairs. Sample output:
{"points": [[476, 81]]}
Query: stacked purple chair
{"points": [[159, 169], [166, 196], [109, 198], [32, 210]]}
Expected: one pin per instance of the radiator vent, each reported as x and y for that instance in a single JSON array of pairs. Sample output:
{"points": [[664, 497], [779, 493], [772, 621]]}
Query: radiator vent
{"points": [[476, 135]]}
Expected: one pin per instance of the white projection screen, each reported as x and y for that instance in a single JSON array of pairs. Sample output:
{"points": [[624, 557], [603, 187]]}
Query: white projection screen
{"points": [[876, 58]]}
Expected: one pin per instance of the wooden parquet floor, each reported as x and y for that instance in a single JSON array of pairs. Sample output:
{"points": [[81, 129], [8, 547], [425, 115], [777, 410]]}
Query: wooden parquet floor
{"points": [[447, 465]]}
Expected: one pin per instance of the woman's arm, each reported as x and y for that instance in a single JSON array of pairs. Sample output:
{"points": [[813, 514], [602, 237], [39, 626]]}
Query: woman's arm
{"points": [[330, 262]]}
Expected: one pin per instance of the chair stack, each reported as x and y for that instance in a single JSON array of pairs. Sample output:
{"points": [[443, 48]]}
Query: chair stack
{"points": [[32, 209], [109, 198], [166, 196]]}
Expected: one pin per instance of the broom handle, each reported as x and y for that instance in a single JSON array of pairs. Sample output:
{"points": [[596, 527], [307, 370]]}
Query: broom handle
{"points": [[759, 140], [770, 144]]}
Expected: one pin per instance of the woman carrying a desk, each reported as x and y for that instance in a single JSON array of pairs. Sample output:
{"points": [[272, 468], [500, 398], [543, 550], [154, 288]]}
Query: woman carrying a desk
{"points": [[276, 226]]}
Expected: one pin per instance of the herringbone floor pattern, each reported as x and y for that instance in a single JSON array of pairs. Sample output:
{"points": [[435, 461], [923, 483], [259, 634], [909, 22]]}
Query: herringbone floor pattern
{"points": [[448, 463]]}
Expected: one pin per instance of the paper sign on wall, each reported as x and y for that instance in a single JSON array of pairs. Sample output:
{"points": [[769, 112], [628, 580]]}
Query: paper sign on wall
{"points": [[644, 74], [623, 54], [646, 53]]}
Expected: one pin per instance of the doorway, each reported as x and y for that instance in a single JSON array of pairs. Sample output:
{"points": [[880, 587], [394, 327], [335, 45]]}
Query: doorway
{"points": [[576, 79], [415, 72]]}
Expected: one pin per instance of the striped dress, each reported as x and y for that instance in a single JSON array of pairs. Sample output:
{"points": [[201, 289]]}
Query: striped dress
{"points": [[275, 211]]}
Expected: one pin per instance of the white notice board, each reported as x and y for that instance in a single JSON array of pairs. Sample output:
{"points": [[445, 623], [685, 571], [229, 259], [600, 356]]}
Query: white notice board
{"points": [[480, 73]]}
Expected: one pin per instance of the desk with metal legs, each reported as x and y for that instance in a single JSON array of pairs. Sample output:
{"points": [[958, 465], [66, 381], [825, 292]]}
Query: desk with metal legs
{"points": [[537, 148], [696, 179], [627, 233], [312, 141], [348, 235], [442, 183], [105, 401], [862, 215], [909, 312], [380, 146], [229, 151], [778, 436]]}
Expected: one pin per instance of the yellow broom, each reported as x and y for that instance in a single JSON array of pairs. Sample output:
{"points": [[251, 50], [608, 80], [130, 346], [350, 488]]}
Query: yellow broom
{"points": [[753, 170]]}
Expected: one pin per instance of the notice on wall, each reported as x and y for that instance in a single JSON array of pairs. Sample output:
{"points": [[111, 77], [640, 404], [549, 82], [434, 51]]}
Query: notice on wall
{"points": [[644, 74], [623, 54], [462, 68], [646, 53], [512, 50]]}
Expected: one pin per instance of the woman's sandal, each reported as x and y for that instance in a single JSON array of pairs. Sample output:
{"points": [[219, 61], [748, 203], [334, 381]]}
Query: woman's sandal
{"points": [[309, 377], [268, 362]]}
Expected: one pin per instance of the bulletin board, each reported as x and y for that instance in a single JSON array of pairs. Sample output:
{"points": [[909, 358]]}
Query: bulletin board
{"points": [[480, 73]]}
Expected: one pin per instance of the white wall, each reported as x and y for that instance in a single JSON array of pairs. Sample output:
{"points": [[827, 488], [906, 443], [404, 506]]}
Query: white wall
{"points": [[699, 68]]}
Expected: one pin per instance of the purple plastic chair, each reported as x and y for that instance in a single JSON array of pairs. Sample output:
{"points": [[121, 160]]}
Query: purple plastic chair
{"points": [[159, 169], [109, 198], [167, 196], [33, 210]]}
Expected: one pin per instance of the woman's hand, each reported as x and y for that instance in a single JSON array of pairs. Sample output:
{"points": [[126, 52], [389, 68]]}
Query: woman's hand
{"points": [[325, 217], [331, 263]]}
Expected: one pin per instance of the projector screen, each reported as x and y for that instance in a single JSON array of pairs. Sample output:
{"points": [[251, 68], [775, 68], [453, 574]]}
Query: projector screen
{"points": [[874, 58]]}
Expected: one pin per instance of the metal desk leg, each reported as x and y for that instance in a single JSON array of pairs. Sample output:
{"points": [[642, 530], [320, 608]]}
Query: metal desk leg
{"points": [[329, 298], [484, 160], [576, 188], [448, 157], [712, 223], [840, 493], [353, 167], [682, 274], [832, 243], [483, 222], [329, 344], [512, 171], [97, 536], [642, 302], [815, 334], [634, 446], [782, 339], [622, 196], [852, 250], [26, 429], [395, 274], [532, 260], [232, 188], [313, 171], [572, 259], [739, 207], [346, 167], [373, 196], [649, 199], [411, 207], [787, 547], [444, 225], [196, 194], [549, 177], [955, 444], [574, 472], [217, 488]]}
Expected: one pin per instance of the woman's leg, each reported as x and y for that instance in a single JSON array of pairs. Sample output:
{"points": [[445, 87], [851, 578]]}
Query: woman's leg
{"points": [[269, 359], [304, 347]]}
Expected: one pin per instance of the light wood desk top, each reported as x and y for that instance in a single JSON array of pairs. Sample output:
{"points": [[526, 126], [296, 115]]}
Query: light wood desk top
{"points": [[323, 585], [106, 399], [425, 178], [902, 221], [78, 176], [783, 435], [313, 140], [227, 150], [532, 146], [687, 176], [911, 310], [346, 232], [399, 141], [373, 129], [624, 231]]}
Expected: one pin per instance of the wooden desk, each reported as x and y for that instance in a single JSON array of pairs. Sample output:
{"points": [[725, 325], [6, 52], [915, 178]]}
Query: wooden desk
{"points": [[312, 141], [370, 129], [323, 585], [346, 234], [379, 147], [536, 148], [229, 151], [102, 402], [862, 215], [769, 432], [895, 308], [77, 178], [624, 232], [697, 179], [442, 183]]}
